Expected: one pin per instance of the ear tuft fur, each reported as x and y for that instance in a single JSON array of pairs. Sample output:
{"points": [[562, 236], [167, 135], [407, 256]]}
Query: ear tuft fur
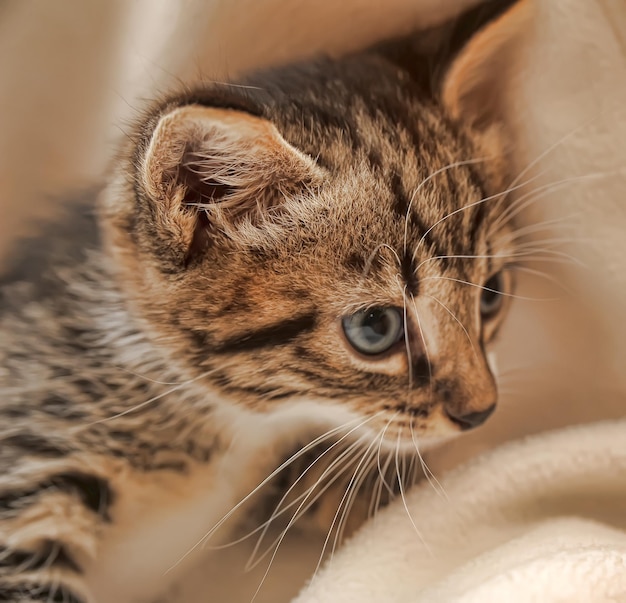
{"points": [[206, 169]]}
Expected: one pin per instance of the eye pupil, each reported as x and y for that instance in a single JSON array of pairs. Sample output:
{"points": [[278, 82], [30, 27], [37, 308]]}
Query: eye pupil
{"points": [[374, 331], [376, 324]]}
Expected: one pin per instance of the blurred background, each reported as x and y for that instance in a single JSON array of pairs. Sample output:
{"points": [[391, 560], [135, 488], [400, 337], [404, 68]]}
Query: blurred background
{"points": [[75, 73]]}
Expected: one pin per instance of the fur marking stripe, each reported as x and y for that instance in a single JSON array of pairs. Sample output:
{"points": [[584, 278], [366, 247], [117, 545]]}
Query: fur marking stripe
{"points": [[280, 333], [94, 492], [50, 555], [30, 592]]}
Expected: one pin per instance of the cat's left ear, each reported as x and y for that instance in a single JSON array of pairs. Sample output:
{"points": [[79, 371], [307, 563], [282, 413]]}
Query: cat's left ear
{"points": [[473, 87]]}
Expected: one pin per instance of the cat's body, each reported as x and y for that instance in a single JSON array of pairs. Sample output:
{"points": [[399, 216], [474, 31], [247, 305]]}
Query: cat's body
{"points": [[152, 481], [158, 361], [84, 349]]}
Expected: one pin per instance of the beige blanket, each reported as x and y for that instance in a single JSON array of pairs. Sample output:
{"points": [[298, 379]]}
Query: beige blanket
{"points": [[71, 72], [539, 520]]}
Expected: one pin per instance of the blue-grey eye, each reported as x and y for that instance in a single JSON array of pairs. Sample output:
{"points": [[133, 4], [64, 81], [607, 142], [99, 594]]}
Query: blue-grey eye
{"points": [[375, 330], [491, 298]]}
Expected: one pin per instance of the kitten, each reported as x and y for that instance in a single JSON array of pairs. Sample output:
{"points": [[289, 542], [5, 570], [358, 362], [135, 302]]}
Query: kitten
{"points": [[320, 247]]}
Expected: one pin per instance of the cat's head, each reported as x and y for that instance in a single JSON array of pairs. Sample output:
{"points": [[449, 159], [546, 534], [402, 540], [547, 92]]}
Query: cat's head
{"points": [[323, 234]]}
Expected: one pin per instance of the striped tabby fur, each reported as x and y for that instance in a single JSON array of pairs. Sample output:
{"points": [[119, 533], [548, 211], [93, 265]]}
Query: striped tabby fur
{"points": [[160, 358]]}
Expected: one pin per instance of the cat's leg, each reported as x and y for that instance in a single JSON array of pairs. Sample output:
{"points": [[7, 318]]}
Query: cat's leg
{"points": [[93, 528], [112, 525], [53, 509], [335, 490]]}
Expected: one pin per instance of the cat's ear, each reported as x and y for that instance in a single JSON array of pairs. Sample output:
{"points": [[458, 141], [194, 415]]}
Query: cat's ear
{"points": [[473, 86], [205, 170]]}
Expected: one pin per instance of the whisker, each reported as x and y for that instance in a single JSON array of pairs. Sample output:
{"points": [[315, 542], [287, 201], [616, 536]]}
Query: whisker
{"points": [[488, 256], [428, 179], [278, 511], [145, 377], [551, 243], [273, 474], [456, 319], [341, 503], [380, 471], [546, 255], [370, 259], [305, 504], [298, 513], [546, 276], [469, 206], [423, 338], [326, 471], [430, 476], [385, 472], [534, 242], [500, 256], [458, 280], [273, 557], [403, 497], [548, 225], [376, 487], [534, 195], [354, 492], [411, 469], [554, 146], [151, 400], [406, 340]]}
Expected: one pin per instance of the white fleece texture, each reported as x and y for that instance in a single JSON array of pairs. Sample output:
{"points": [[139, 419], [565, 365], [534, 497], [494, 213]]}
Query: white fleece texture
{"points": [[543, 519]]}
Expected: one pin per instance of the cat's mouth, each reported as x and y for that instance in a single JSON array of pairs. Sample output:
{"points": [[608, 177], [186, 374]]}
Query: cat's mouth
{"points": [[408, 426]]}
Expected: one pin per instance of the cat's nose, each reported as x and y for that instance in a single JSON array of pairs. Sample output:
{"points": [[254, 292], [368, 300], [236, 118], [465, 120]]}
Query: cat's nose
{"points": [[472, 419]]}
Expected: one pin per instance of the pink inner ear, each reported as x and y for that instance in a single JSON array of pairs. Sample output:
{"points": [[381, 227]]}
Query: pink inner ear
{"points": [[201, 237], [199, 192], [208, 169]]}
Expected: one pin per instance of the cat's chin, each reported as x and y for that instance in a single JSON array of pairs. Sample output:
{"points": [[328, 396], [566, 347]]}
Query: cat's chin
{"points": [[330, 421], [406, 444]]}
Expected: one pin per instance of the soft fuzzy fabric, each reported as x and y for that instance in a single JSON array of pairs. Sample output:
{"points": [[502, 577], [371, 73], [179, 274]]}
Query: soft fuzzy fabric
{"points": [[87, 63], [538, 520]]}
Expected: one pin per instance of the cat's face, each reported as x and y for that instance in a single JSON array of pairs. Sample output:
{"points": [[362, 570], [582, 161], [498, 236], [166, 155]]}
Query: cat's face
{"points": [[281, 257]]}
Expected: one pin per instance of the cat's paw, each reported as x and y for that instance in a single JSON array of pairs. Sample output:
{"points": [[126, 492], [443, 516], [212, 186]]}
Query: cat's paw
{"points": [[325, 495]]}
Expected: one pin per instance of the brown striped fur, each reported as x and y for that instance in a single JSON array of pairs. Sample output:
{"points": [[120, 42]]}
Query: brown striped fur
{"points": [[158, 359]]}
